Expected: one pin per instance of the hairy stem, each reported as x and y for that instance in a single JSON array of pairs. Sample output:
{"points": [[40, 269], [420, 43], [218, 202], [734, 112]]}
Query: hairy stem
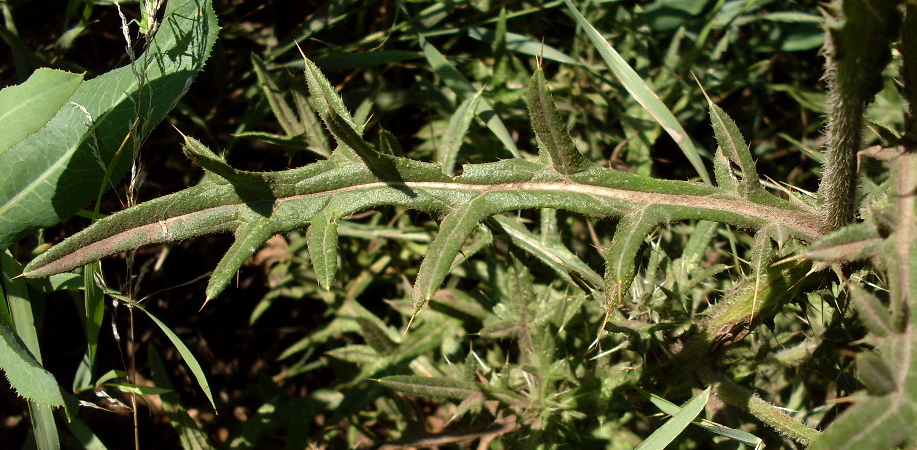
{"points": [[857, 50]]}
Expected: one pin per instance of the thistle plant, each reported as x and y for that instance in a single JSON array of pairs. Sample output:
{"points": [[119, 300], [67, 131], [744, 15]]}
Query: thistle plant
{"points": [[792, 242]]}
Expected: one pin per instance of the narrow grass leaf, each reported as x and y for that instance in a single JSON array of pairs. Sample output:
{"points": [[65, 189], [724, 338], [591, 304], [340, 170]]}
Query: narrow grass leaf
{"points": [[84, 435], [675, 425], [185, 353], [44, 428], [94, 314], [191, 435], [642, 93], [464, 89], [731, 433], [520, 44]]}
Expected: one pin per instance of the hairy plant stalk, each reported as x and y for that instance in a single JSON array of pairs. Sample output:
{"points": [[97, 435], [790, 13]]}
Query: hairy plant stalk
{"points": [[773, 416], [857, 49]]}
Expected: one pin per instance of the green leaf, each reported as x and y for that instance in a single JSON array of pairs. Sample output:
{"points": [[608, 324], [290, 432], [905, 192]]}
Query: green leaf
{"points": [[58, 169], [872, 312], [142, 390], [552, 253], [200, 154], [464, 89], [733, 146], [448, 389], [550, 132], [322, 241], [26, 108], [456, 132], [851, 243], [621, 255], [875, 374], [249, 236], [731, 433], [20, 353], [453, 232], [24, 373], [192, 437], [675, 425], [642, 93], [527, 46], [185, 353]]}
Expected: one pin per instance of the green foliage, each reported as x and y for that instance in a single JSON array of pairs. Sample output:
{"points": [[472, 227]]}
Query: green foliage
{"points": [[517, 261], [62, 166]]}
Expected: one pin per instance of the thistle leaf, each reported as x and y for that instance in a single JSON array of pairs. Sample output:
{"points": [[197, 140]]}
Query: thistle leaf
{"points": [[456, 132], [550, 132], [322, 242]]}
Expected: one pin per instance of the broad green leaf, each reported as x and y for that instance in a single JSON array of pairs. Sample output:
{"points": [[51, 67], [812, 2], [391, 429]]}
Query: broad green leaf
{"points": [[642, 93], [675, 425], [21, 354], [24, 373], [57, 170], [26, 108]]}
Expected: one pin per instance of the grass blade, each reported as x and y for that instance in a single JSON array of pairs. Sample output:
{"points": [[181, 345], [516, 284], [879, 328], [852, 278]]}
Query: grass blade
{"points": [[642, 93], [674, 426], [185, 353], [464, 89]]}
